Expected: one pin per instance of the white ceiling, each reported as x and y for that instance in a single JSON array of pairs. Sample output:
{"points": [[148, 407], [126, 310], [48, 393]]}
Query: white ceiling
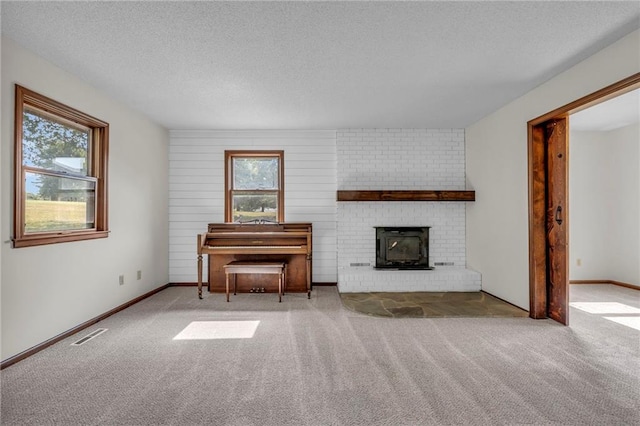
{"points": [[615, 113], [316, 65]]}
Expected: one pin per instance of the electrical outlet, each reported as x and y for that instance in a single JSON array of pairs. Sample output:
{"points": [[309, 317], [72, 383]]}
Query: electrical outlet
{"points": [[139, 275], [121, 279], [579, 262]]}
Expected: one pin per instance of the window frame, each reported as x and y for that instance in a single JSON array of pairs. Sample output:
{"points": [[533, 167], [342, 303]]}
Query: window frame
{"points": [[97, 170], [228, 180]]}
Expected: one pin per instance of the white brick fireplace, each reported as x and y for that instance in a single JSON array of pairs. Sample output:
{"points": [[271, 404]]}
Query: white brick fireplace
{"points": [[402, 159]]}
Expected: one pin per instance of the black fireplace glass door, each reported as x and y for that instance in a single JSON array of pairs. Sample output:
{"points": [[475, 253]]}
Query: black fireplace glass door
{"points": [[402, 247]]}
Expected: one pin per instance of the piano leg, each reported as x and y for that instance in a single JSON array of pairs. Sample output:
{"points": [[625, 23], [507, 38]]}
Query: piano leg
{"points": [[284, 279], [308, 277], [200, 276]]}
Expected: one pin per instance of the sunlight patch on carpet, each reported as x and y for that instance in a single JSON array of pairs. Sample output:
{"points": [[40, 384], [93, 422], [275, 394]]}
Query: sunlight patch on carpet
{"points": [[605, 308], [633, 322], [208, 330]]}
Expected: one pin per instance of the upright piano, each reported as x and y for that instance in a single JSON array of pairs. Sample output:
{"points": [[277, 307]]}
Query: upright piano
{"points": [[282, 242]]}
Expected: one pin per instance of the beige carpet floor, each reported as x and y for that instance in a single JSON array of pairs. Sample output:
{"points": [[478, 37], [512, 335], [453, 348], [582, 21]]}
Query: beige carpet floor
{"points": [[173, 359]]}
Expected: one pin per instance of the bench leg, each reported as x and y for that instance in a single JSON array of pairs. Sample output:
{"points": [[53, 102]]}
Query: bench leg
{"points": [[199, 274], [227, 286], [280, 287]]}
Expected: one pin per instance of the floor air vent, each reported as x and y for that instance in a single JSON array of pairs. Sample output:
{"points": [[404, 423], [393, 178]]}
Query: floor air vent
{"points": [[89, 336]]}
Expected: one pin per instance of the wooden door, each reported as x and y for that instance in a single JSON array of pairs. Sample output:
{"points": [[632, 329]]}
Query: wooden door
{"points": [[548, 189], [556, 143]]}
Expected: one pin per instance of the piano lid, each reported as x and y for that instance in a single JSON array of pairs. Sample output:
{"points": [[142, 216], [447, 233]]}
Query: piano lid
{"points": [[259, 227]]}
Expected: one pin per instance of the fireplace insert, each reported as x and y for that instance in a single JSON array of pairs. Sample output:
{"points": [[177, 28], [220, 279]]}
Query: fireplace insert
{"points": [[402, 247]]}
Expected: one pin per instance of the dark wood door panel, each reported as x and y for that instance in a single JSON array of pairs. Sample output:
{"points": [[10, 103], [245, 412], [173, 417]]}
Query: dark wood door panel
{"points": [[556, 220]]}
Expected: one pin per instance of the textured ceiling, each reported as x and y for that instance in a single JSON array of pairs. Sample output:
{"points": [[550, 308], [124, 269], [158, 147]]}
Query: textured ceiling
{"points": [[316, 65], [615, 113]]}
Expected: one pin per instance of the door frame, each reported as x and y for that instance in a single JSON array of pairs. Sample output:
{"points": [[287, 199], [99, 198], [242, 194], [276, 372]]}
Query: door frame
{"points": [[537, 164]]}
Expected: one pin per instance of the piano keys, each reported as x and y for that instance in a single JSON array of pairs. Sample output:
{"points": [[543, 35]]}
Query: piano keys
{"points": [[282, 242]]}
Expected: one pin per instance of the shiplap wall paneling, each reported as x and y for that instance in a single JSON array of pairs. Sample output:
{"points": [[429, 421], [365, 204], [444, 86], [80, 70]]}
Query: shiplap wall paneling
{"points": [[196, 196]]}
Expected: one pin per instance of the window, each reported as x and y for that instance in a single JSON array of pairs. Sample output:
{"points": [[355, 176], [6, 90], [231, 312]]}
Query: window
{"points": [[60, 172], [254, 186]]}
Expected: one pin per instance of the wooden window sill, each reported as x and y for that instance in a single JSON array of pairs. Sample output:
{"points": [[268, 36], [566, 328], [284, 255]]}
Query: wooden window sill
{"points": [[54, 238]]}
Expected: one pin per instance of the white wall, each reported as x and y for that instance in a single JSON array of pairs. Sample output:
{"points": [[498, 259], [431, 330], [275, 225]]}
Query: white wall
{"points": [[401, 159], [47, 290], [604, 205], [496, 156], [589, 205], [196, 197]]}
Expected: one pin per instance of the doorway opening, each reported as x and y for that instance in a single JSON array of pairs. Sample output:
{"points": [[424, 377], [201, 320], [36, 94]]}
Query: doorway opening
{"points": [[549, 203]]}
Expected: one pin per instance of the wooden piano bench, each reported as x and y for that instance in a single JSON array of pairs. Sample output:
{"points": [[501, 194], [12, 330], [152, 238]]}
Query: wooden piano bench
{"points": [[256, 267]]}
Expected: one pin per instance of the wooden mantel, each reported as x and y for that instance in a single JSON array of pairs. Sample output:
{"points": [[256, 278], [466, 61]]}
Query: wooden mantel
{"points": [[406, 195]]}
